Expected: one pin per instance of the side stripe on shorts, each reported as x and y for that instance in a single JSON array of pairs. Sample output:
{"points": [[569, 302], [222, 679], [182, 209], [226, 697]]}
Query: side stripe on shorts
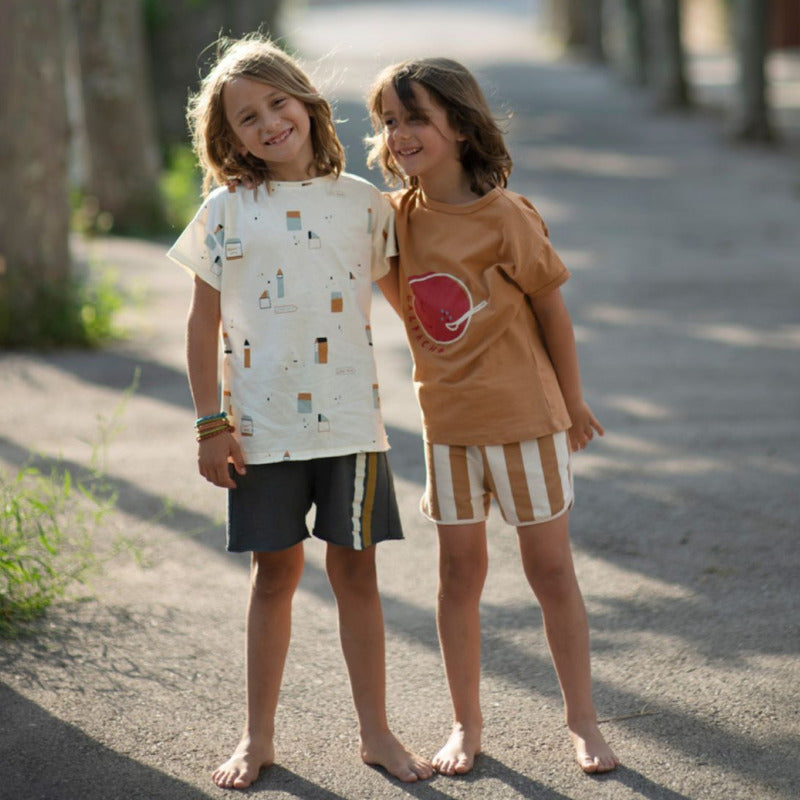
{"points": [[365, 482]]}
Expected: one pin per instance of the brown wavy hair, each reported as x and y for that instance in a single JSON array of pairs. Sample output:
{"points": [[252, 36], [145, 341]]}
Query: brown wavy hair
{"points": [[453, 87], [216, 145]]}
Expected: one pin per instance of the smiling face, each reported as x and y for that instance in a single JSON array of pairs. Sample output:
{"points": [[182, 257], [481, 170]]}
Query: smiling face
{"points": [[272, 125], [422, 142]]}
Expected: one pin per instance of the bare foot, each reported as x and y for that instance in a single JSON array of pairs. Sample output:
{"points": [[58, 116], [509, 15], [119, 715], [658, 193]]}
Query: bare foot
{"points": [[591, 750], [386, 751], [243, 767], [458, 755]]}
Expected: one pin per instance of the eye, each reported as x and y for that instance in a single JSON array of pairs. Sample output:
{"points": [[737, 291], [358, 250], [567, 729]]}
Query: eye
{"points": [[389, 122], [278, 102]]}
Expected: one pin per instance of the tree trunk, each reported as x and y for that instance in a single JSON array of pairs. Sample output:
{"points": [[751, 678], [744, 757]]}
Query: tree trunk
{"points": [[35, 296], [669, 59], [593, 17], [635, 68], [124, 158], [179, 34], [751, 116], [567, 20]]}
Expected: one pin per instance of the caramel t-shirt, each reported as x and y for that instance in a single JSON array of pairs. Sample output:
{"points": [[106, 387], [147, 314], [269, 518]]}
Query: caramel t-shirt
{"points": [[481, 370]]}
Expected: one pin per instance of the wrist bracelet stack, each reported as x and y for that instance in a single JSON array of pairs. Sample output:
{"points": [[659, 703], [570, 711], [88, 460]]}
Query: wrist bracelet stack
{"points": [[213, 425]]}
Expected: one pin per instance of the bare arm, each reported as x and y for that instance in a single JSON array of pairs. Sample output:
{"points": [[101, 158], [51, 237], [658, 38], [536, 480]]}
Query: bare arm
{"points": [[202, 343], [559, 339]]}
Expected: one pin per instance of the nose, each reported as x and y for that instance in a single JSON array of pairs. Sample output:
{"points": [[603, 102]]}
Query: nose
{"points": [[268, 121], [401, 131]]}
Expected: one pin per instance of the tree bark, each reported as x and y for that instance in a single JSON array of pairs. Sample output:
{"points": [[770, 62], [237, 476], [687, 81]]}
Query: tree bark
{"points": [[635, 67], [751, 116], [567, 20], [668, 65], [34, 216], [124, 157], [593, 17], [179, 34]]}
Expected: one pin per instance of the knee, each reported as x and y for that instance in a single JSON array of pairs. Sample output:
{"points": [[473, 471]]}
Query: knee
{"points": [[351, 571], [274, 578], [460, 578], [553, 582]]}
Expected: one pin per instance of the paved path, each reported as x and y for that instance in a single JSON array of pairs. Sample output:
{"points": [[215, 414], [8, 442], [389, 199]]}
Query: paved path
{"points": [[685, 298]]}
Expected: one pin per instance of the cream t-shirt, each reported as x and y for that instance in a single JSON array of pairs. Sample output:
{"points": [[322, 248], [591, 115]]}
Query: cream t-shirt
{"points": [[294, 268]]}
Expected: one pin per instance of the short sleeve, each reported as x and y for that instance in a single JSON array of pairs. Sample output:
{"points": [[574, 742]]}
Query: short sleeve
{"points": [[384, 239], [537, 267], [200, 247]]}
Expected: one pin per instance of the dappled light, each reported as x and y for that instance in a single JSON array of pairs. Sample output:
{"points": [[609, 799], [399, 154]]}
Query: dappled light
{"points": [[684, 296], [638, 407], [786, 337], [782, 337], [597, 163]]}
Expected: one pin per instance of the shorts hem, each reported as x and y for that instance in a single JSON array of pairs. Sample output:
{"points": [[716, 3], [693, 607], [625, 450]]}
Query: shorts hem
{"points": [[398, 537], [515, 523], [541, 521]]}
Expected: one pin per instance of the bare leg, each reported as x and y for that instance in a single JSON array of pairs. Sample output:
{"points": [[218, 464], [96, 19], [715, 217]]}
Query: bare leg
{"points": [[463, 564], [273, 580], [547, 560], [353, 577]]}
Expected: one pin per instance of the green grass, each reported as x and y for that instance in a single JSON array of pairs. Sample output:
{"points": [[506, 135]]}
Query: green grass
{"points": [[79, 312], [180, 185], [47, 523]]}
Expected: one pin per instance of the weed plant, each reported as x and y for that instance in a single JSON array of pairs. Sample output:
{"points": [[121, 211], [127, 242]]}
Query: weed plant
{"points": [[46, 527]]}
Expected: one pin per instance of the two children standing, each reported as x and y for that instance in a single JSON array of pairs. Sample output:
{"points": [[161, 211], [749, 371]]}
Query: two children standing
{"points": [[283, 255]]}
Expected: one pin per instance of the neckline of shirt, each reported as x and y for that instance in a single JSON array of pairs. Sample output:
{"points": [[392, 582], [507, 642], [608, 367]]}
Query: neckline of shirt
{"points": [[304, 183], [462, 208]]}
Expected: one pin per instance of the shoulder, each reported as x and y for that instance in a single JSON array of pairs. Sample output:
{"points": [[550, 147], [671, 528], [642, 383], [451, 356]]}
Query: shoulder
{"points": [[358, 189], [219, 194], [518, 210], [356, 183], [403, 199]]}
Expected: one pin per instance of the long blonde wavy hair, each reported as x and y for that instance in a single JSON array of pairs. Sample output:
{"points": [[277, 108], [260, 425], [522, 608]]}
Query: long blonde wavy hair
{"points": [[216, 145]]}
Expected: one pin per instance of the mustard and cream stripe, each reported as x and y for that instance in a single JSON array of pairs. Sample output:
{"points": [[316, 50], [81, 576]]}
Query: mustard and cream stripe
{"points": [[531, 481], [366, 480]]}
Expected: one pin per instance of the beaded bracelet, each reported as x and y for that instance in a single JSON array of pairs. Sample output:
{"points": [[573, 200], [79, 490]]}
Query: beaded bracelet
{"points": [[212, 418], [213, 423], [212, 432]]}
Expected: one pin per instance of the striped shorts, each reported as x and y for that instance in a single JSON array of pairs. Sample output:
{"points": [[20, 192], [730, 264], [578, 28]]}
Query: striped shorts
{"points": [[353, 496], [531, 481]]}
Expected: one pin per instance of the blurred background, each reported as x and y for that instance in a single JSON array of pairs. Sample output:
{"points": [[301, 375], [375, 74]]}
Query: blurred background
{"points": [[93, 94]]}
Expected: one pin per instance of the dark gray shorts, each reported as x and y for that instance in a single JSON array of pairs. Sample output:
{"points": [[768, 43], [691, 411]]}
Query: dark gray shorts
{"points": [[353, 494]]}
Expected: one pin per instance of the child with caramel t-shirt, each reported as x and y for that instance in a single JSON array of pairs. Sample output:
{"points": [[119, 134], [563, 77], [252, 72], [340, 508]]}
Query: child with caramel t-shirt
{"points": [[497, 379]]}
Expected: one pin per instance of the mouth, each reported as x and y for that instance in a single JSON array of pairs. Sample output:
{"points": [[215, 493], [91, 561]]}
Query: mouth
{"points": [[410, 151], [280, 138]]}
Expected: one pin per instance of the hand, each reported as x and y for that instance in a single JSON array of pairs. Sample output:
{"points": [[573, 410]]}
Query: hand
{"points": [[213, 457], [584, 425]]}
